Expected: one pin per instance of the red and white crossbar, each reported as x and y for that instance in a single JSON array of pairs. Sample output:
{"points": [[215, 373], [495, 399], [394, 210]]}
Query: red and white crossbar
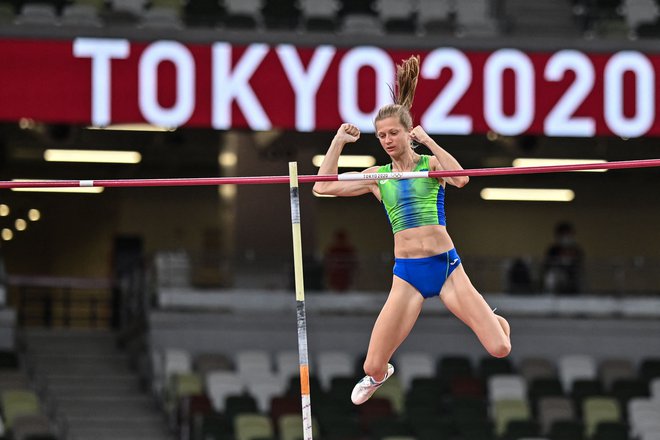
{"points": [[261, 180]]}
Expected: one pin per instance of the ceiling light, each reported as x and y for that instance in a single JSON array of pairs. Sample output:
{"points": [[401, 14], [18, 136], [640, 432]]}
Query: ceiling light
{"points": [[7, 234], [227, 159], [348, 161], [131, 127], [530, 162], [34, 215], [528, 194], [20, 224], [92, 156], [4, 210], [75, 189]]}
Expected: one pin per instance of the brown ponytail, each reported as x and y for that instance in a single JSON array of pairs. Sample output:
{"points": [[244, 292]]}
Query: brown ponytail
{"points": [[406, 81], [403, 95]]}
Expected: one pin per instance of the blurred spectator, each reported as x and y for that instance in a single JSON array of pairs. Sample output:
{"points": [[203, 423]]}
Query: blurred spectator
{"points": [[519, 278], [340, 262], [562, 268]]}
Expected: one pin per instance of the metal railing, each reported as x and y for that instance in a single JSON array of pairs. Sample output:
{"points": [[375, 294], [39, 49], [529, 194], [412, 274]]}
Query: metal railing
{"points": [[373, 272]]}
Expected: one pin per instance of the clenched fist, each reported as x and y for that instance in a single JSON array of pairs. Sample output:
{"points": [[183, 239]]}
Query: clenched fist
{"points": [[348, 133]]}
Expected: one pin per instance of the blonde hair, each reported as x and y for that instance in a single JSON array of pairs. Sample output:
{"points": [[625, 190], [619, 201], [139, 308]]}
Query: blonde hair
{"points": [[403, 95]]}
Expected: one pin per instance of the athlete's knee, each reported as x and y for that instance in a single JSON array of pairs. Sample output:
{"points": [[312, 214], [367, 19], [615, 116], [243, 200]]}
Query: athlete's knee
{"points": [[375, 369], [500, 349]]}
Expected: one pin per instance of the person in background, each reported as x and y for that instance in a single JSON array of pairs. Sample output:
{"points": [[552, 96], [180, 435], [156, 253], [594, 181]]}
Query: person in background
{"points": [[340, 263], [563, 264]]}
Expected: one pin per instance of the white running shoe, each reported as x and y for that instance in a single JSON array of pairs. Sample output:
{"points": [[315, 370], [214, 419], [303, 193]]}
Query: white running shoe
{"points": [[367, 386]]}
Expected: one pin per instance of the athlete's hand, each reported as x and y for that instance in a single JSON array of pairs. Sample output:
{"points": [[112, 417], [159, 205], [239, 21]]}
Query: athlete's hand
{"points": [[419, 135], [348, 133]]}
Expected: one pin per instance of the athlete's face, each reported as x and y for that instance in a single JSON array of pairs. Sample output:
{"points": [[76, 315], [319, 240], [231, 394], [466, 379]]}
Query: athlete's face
{"points": [[393, 136]]}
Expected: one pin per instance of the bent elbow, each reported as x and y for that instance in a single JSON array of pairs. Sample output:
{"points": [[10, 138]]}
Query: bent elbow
{"points": [[462, 181], [319, 188]]}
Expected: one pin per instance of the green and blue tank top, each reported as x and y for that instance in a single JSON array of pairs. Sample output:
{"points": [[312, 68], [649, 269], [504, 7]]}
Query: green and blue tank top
{"points": [[410, 203]]}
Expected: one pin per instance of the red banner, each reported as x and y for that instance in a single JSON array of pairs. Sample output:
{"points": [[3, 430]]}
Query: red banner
{"points": [[219, 85]]}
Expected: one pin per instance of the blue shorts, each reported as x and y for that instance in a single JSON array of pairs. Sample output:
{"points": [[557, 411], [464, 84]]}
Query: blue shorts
{"points": [[428, 274]]}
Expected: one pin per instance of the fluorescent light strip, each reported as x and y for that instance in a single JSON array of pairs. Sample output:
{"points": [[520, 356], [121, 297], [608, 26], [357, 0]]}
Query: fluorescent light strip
{"points": [[528, 194], [532, 162], [92, 156], [81, 190], [131, 127], [348, 161]]}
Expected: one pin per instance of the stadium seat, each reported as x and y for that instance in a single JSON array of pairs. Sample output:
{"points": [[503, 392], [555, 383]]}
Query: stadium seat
{"points": [[161, 18], [464, 411], [611, 431], [339, 425], [414, 364], [532, 368], [243, 14], [392, 390], [281, 14], [473, 17], [214, 426], [13, 380], [490, 366], [611, 370], [284, 405], [27, 427], [8, 359], [207, 362], [373, 411], [505, 411], [264, 388], [626, 389], [650, 369], [125, 12], [320, 15], [289, 427], [540, 388], [240, 404], [643, 416], [333, 364], [517, 429], [361, 24], [573, 367], [220, 384], [16, 403], [638, 12], [598, 410], [506, 387], [81, 15], [553, 409], [435, 17], [36, 14], [453, 366], [208, 13], [464, 386], [566, 430], [390, 427], [584, 388], [287, 364], [359, 7], [252, 427], [397, 16], [253, 363]]}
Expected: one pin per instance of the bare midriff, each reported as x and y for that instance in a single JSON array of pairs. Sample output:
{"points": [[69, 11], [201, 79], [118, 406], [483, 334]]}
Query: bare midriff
{"points": [[423, 241]]}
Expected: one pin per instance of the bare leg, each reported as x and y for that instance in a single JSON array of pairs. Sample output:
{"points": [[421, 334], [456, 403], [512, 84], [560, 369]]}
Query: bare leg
{"points": [[463, 300], [393, 325]]}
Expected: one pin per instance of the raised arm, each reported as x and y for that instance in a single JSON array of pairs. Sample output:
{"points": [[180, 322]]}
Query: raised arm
{"points": [[445, 160], [347, 133]]}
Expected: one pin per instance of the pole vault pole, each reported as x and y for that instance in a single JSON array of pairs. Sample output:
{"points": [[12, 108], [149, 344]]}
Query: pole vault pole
{"points": [[301, 318]]}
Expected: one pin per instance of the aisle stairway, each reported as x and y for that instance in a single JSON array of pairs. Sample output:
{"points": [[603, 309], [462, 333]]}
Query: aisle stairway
{"points": [[92, 392]]}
